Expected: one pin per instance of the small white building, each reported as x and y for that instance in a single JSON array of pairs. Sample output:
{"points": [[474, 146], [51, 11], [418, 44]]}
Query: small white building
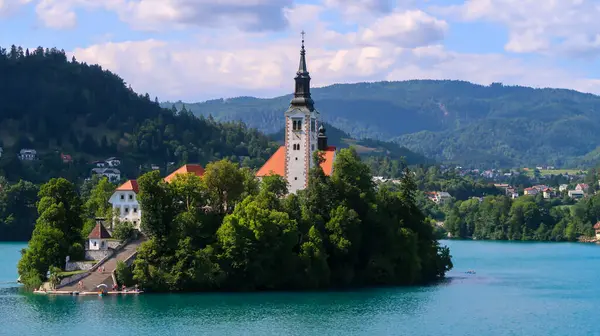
{"points": [[28, 154], [113, 162], [125, 204], [112, 174], [98, 238], [442, 197], [563, 187], [576, 194]]}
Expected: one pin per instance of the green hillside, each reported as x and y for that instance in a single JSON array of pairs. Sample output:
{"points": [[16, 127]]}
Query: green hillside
{"points": [[55, 105], [452, 121]]}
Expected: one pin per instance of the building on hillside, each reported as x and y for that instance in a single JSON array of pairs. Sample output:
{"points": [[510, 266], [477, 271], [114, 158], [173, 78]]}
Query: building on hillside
{"points": [[124, 200], [514, 195], [98, 238], [125, 204], [563, 187], [442, 197], [28, 154], [583, 187], [113, 162], [66, 158], [597, 230], [303, 136], [531, 191], [112, 174], [548, 193], [576, 194]]}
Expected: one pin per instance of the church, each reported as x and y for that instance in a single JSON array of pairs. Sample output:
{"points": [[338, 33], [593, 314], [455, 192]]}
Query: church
{"points": [[303, 136]]}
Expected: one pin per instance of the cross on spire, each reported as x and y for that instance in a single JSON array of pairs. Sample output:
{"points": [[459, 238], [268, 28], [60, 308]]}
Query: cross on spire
{"points": [[302, 33]]}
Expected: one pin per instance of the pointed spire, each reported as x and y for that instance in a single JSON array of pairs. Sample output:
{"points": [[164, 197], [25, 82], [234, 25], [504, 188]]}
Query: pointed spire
{"points": [[302, 67], [302, 92]]}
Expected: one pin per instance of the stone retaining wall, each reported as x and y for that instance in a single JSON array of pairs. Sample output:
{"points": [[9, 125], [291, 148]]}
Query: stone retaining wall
{"points": [[71, 279], [97, 254], [78, 266]]}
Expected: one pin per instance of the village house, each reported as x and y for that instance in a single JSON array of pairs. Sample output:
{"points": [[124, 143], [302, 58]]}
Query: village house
{"points": [[439, 197], [531, 191], [576, 194], [303, 136], [124, 200], [112, 174], [597, 230], [113, 162], [548, 193], [27, 154], [582, 187], [66, 158], [563, 187]]}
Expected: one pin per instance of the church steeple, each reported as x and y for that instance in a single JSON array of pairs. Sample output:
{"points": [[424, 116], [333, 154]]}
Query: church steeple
{"points": [[302, 91]]}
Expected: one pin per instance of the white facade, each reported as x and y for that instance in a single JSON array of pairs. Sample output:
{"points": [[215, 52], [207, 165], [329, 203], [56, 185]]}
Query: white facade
{"points": [[301, 143], [113, 162], [98, 244], [112, 174], [125, 203], [28, 154]]}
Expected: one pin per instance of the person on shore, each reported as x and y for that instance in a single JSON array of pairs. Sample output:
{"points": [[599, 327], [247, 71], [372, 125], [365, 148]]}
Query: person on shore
{"points": [[137, 289]]}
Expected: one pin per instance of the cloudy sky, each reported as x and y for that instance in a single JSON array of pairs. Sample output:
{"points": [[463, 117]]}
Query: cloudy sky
{"points": [[195, 50]]}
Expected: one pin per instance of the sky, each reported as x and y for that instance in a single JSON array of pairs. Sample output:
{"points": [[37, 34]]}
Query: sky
{"points": [[194, 50]]}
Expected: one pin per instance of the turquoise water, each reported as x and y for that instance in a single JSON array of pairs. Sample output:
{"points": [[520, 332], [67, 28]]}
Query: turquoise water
{"points": [[519, 289]]}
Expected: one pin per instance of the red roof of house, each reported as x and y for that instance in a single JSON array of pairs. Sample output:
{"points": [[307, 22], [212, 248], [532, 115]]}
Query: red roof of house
{"points": [[597, 226], [195, 169], [99, 232], [65, 156], [276, 163], [130, 185]]}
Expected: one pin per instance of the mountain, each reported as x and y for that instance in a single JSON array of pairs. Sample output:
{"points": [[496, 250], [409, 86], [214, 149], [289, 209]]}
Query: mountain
{"points": [[55, 105], [451, 121]]}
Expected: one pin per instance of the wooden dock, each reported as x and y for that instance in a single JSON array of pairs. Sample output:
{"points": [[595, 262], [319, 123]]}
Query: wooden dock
{"points": [[75, 293]]}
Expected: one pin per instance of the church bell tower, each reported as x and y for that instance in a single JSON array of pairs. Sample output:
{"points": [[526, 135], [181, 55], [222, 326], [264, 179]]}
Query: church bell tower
{"points": [[301, 134]]}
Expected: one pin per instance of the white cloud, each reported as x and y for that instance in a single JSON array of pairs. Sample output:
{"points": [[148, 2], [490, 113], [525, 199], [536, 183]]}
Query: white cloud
{"points": [[550, 26], [155, 15], [359, 6], [9, 6], [411, 28]]}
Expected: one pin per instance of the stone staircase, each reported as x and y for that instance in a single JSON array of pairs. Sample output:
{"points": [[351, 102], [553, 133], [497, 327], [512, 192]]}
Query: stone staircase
{"points": [[95, 278]]}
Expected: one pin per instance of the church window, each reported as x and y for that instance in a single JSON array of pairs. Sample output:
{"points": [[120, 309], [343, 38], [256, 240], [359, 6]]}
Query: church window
{"points": [[297, 124], [130, 196], [313, 125], [122, 196], [296, 159], [295, 178], [312, 146]]}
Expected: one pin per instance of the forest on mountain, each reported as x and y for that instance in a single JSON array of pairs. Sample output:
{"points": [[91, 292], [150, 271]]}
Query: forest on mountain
{"points": [[450, 121], [55, 105]]}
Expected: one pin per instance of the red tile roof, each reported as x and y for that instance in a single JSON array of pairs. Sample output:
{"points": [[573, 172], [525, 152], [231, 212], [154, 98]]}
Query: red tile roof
{"points": [[195, 169], [276, 164], [99, 232], [130, 185], [597, 226]]}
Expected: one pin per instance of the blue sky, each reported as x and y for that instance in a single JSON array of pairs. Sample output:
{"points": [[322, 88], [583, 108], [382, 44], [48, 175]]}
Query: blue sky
{"points": [[195, 50]]}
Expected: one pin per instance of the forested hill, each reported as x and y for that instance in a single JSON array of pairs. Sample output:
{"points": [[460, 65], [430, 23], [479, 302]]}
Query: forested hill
{"points": [[452, 121], [55, 105]]}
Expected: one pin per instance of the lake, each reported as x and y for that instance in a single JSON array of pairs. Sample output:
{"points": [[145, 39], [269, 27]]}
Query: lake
{"points": [[520, 289]]}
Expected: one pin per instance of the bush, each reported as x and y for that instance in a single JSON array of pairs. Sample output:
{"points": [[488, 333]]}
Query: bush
{"points": [[124, 274], [123, 231]]}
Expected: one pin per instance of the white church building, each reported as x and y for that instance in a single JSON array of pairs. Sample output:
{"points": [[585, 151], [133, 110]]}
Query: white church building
{"points": [[303, 136]]}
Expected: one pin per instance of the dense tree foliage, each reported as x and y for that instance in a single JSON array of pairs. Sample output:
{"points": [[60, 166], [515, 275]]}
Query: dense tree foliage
{"points": [[225, 231], [524, 218], [57, 232], [17, 210], [99, 116], [447, 120]]}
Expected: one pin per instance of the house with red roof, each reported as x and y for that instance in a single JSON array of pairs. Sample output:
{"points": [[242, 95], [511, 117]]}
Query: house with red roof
{"points": [[304, 135], [124, 200], [66, 158], [597, 230]]}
